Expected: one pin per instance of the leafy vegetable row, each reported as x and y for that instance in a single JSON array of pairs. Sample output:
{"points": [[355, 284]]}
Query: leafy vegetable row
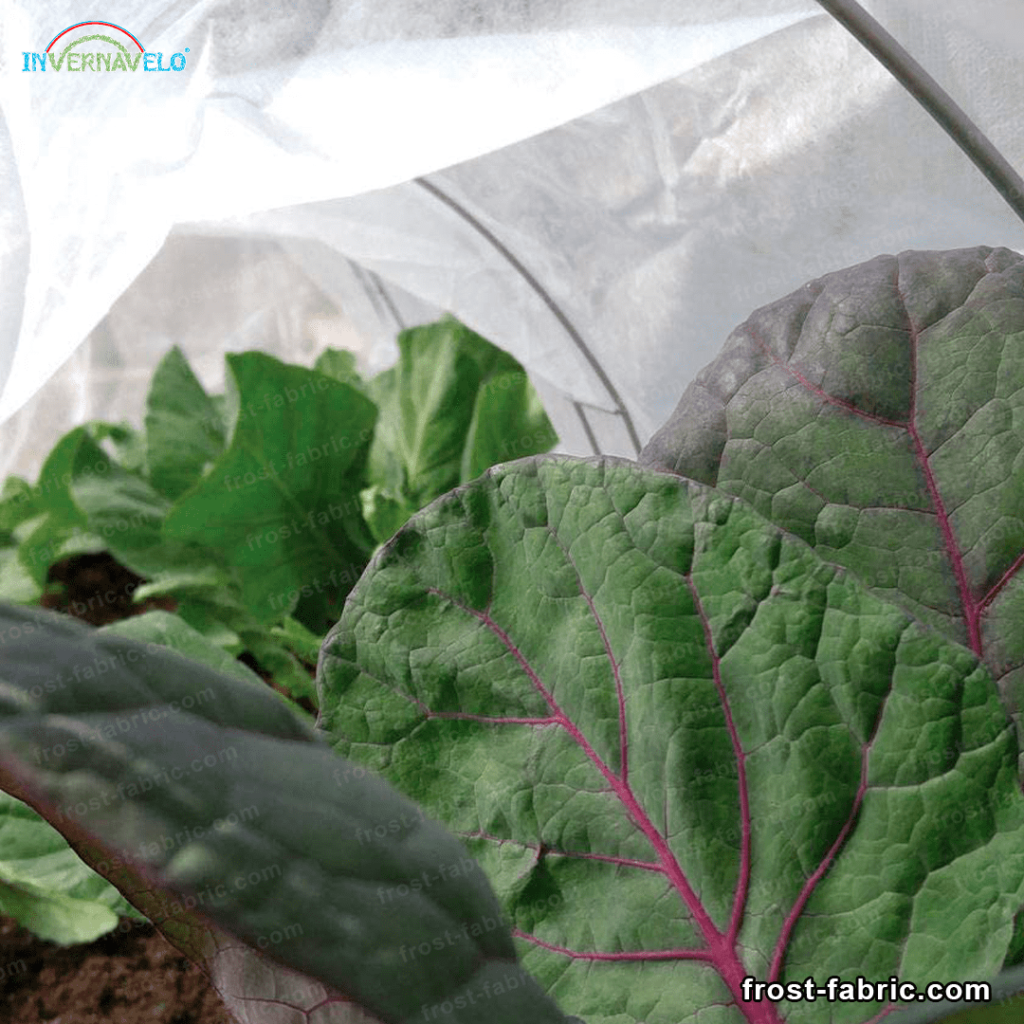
{"points": [[256, 512], [596, 732]]}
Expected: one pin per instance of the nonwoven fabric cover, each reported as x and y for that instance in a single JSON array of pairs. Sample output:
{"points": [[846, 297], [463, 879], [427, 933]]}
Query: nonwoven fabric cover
{"points": [[604, 190]]}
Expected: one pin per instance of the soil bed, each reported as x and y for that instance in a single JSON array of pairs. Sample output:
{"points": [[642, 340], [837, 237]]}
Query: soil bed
{"points": [[131, 975]]}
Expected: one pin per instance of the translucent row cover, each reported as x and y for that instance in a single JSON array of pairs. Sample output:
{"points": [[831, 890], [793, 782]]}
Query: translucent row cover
{"points": [[604, 190]]}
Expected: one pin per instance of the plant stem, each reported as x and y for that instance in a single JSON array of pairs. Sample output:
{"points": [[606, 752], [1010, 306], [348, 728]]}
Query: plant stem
{"points": [[960, 128]]}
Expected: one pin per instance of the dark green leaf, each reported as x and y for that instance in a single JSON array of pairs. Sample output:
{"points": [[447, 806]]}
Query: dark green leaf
{"points": [[878, 414], [205, 800]]}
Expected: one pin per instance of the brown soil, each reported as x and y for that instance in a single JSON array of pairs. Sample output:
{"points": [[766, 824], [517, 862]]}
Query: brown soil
{"points": [[131, 975], [97, 589]]}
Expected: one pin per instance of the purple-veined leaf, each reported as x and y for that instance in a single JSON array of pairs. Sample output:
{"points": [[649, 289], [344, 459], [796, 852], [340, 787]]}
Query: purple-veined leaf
{"points": [[877, 413], [685, 749]]}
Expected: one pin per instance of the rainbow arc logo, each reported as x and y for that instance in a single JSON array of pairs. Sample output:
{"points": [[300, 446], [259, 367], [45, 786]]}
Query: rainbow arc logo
{"points": [[112, 49]]}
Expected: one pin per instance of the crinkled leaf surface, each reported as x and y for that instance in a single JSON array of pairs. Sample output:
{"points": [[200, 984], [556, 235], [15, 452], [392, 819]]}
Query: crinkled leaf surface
{"points": [[878, 413], [255, 849], [684, 748]]}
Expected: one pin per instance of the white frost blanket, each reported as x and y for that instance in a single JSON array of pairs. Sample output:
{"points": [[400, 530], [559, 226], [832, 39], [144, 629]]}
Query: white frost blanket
{"points": [[603, 189]]}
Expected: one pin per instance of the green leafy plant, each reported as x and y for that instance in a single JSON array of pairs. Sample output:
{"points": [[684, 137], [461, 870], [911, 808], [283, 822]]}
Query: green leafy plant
{"points": [[253, 513], [596, 738], [876, 414], [688, 751], [233, 504]]}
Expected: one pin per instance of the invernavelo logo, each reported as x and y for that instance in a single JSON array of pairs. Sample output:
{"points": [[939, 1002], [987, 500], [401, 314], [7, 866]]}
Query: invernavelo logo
{"points": [[99, 46]]}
